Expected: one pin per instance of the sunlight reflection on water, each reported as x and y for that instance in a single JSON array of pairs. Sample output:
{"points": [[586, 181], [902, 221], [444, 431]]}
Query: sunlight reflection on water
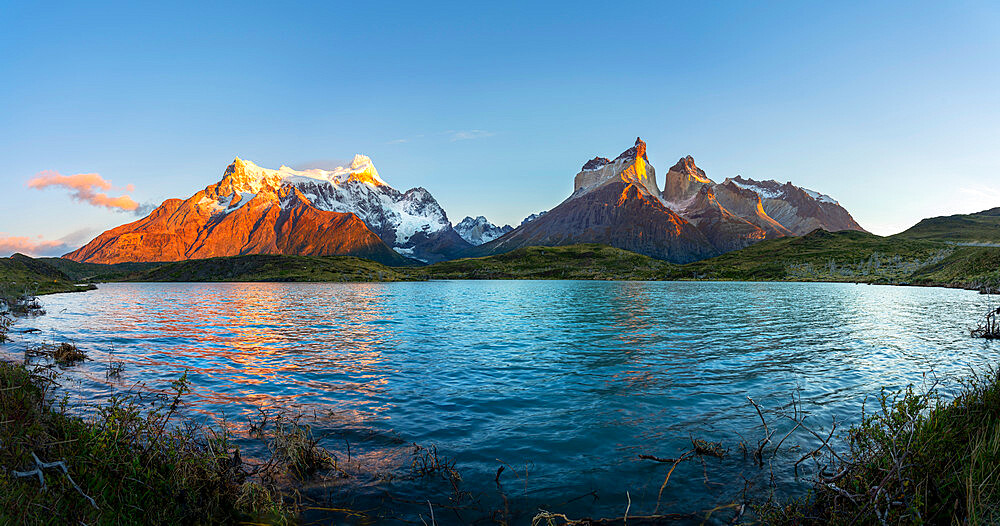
{"points": [[572, 379]]}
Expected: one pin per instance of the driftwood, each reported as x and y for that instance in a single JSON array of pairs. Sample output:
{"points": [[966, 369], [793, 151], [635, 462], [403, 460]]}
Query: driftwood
{"points": [[989, 327], [39, 466]]}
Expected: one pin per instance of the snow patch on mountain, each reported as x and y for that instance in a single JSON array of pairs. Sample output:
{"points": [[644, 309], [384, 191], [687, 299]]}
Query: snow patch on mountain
{"points": [[763, 188], [823, 198], [384, 209], [771, 189], [680, 207], [361, 169]]}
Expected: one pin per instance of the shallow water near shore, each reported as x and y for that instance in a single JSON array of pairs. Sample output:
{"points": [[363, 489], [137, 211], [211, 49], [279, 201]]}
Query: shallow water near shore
{"points": [[564, 383]]}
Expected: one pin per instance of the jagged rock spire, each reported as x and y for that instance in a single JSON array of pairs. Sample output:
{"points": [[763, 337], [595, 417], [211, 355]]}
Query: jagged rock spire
{"points": [[632, 166]]}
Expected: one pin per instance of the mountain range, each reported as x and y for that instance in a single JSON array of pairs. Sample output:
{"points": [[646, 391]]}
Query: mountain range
{"points": [[618, 203], [352, 211]]}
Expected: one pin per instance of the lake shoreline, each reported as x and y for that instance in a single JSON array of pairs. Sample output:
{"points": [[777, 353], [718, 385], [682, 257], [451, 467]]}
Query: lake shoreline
{"points": [[914, 433], [128, 307], [958, 286]]}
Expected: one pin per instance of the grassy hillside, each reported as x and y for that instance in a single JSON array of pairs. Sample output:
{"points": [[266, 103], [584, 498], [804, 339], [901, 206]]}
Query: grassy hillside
{"points": [[267, 267], [568, 262], [96, 271], [585, 261], [980, 227], [966, 267], [20, 274], [822, 256]]}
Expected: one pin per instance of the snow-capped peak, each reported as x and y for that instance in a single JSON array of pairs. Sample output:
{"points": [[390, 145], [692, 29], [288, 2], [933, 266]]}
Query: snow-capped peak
{"points": [[403, 220], [361, 169], [480, 230], [247, 177]]}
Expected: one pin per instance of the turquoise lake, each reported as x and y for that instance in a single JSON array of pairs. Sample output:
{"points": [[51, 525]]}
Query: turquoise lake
{"points": [[563, 383]]}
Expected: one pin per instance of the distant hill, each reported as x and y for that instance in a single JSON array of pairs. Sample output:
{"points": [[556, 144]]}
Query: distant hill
{"points": [[566, 262], [96, 271], [271, 267], [846, 256], [822, 256], [479, 230], [20, 274], [980, 227], [583, 261]]}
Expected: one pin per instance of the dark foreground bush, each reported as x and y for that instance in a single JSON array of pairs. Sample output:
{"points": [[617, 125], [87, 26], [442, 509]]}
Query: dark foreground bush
{"points": [[125, 465], [916, 459]]}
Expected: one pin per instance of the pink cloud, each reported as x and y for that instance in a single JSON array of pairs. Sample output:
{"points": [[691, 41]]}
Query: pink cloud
{"points": [[31, 246], [85, 188]]}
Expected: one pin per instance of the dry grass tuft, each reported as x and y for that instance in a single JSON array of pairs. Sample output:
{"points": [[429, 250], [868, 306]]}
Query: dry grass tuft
{"points": [[62, 354]]}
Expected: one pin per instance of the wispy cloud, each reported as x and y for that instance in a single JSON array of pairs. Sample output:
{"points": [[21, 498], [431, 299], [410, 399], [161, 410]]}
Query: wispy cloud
{"points": [[965, 199], [986, 195], [38, 246], [403, 140], [465, 135], [959, 199], [450, 135], [32, 246], [322, 164], [86, 188]]}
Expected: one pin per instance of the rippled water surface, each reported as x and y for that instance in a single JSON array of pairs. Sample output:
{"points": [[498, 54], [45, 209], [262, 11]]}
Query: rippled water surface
{"points": [[562, 382]]}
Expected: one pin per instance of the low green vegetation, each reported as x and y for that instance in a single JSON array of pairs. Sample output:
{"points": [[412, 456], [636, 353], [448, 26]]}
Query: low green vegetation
{"points": [[966, 267], [126, 464], [917, 459], [822, 256], [136, 459], [585, 261], [96, 271], [21, 275], [590, 261], [267, 267]]}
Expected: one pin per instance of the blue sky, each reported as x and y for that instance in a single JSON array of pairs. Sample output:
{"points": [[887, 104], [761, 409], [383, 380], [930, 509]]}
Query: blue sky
{"points": [[891, 108]]}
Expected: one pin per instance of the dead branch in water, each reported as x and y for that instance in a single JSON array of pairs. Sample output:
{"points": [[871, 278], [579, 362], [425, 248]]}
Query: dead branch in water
{"points": [[759, 454], [989, 327]]}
